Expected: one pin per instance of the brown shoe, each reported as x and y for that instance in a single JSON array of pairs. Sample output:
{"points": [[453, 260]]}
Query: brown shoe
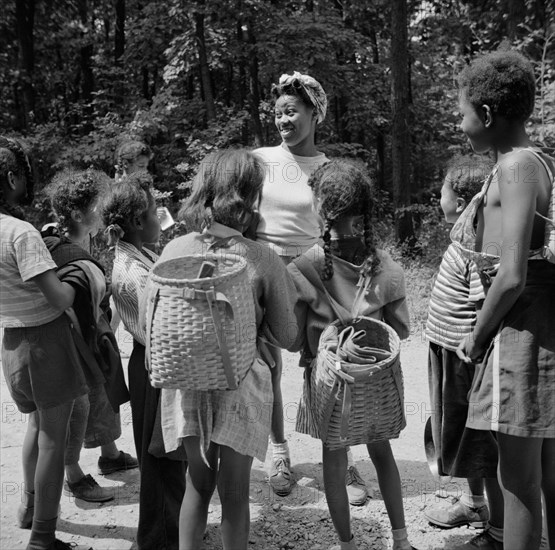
{"points": [[88, 489], [124, 461], [356, 488], [482, 541], [457, 514]]}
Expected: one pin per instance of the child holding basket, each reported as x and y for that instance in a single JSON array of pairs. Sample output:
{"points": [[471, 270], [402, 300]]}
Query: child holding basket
{"points": [[349, 274]]}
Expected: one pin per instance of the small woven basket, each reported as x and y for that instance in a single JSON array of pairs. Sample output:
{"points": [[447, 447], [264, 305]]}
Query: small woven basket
{"points": [[201, 333], [355, 403]]}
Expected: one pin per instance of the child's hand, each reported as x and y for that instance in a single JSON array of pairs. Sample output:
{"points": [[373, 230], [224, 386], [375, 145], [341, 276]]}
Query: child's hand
{"points": [[470, 351]]}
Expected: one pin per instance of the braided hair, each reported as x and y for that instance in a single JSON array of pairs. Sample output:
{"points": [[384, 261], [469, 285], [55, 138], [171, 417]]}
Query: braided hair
{"points": [[342, 190], [126, 200], [13, 158], [72, 190]]}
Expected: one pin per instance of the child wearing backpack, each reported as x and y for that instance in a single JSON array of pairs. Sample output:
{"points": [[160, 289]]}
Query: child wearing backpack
{"points": [[459, 451], [95, 421], [41, 365], [219, 435], [348, 260], [129, 214], [505, 232]]}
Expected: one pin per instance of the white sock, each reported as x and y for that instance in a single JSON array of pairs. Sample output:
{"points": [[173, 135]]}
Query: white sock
{"points": [[280, 450], [473, 501], [400, 539], [495, 532], [350, 459]]}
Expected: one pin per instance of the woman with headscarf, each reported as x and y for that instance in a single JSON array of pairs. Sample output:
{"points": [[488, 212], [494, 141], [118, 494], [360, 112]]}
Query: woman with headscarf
{"points": [[289, 224]]}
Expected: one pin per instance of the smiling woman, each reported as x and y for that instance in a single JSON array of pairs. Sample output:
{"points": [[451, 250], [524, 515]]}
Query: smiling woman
{"points": [[289, 222]]}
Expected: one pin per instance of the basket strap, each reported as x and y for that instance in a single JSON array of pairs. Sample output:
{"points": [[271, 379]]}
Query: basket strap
{"points": [[192, 294], [307, 269], [211, 298], [345, 412], [151, 303], [363, 285]]}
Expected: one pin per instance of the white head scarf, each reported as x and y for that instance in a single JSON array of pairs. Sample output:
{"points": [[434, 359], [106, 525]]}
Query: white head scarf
{"points": [[313, 90]]}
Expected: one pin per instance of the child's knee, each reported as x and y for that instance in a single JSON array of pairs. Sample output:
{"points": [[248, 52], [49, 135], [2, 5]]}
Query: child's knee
{"points": [[235, 493]]}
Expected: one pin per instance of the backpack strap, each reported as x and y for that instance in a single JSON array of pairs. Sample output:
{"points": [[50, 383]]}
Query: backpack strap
{"points": [[64, 252], [309, 271]]}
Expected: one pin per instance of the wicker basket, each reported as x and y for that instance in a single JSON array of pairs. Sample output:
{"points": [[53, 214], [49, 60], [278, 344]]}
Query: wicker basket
{"points": [[201, 333], [355, 403]]}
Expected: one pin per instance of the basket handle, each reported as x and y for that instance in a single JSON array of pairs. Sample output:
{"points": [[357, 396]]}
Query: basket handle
{"points": [[211, 298]]}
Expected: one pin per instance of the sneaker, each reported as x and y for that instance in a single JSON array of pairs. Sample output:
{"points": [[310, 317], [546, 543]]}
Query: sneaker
{"points": [[482, 541], [356, 488], [281, 478], [88, 489], [110, 465], [457, 514]]}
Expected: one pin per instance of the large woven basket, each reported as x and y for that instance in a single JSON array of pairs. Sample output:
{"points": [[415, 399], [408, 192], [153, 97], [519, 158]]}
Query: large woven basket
{"points": [[358, 403], [201, 333]]}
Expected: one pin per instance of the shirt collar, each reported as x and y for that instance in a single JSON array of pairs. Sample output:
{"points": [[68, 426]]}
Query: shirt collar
{"points": [[221, 231], [144, 256]]}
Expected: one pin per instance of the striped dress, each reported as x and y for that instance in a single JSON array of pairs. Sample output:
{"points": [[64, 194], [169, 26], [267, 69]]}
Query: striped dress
{"points": [[451, 315]]}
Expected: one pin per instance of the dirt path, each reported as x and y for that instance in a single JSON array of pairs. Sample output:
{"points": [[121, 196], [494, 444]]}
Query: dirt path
{"points": [[299, 521]]}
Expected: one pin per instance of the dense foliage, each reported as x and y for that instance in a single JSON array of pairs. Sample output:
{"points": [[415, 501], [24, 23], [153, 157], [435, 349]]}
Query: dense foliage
{"points": [[76, 77]]}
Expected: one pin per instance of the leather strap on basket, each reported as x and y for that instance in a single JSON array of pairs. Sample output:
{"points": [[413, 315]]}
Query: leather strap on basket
{"points": [[150, 307], [211, 298]]}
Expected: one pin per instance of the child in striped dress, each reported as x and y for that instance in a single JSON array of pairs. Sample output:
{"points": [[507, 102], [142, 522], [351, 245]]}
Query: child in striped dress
{"points": [[459, 451]]}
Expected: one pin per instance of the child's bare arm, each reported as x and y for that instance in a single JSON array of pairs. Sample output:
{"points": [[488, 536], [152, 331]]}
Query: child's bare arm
{"points": [[59, 295], [518, 204]]}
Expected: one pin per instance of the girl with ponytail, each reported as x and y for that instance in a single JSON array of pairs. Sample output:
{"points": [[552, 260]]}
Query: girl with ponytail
{"points": [[347, 261]]}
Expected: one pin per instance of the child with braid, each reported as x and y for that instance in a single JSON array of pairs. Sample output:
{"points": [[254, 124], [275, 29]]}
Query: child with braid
{"points": [[129, 214], [40, 362], [348, 260]]}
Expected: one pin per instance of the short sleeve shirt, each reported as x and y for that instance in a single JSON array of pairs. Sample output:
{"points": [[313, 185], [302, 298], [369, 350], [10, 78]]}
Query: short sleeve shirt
{"points": [[23, 255]]}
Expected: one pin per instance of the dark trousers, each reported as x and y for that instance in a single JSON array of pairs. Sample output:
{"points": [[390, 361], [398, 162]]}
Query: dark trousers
{"points": [[162, 479]]}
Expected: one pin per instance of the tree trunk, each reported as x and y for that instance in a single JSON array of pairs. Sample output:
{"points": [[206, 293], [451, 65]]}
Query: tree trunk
{"points": [[400, 136], [204, 68], [254, 94], [516, 11], [85, 54], [119, 36], [25, 20]]}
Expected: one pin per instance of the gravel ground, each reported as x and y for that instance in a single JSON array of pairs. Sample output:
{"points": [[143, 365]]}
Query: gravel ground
{"points": [[299, 521]]}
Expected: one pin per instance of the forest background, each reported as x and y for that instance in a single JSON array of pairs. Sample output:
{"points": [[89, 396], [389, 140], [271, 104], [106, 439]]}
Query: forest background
{"points": [[77, 77]]}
